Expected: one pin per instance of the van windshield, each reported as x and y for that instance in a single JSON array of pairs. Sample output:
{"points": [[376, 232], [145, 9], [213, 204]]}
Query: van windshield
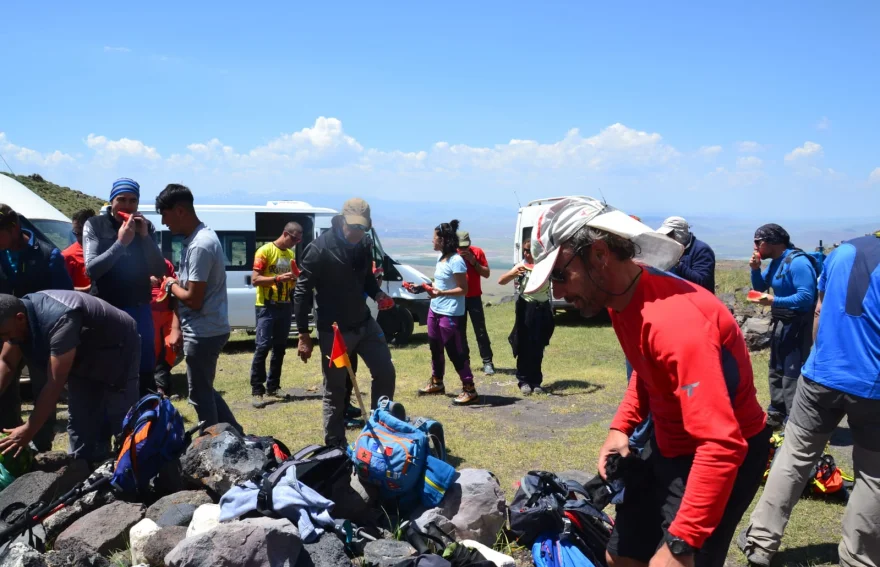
{"points": [[58, 232]]}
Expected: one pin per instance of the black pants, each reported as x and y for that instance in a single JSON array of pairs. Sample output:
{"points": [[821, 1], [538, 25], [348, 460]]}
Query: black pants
{"points": [[650, 506], [789, 348], [474, 310], [532, 330], [273, 328]]}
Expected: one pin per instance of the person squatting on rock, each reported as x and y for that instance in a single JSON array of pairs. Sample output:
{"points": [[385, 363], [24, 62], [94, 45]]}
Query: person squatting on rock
{"points": [[532, 327], [697, 263], [338, 267], [840, 378], [477, 269], [692, 372], [792, 277], [446, 316], [27, 264], [79, 341], [121, 254], [202, 304], [74, 258], [274, 278]]}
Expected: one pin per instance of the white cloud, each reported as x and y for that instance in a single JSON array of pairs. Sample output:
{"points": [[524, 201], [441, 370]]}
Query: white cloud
{"points": [[806, 152], [710, 151], [29, 157], [108, 49], [823, 124], [748, 147], [875, 176], [749, 162], [109, 151]]}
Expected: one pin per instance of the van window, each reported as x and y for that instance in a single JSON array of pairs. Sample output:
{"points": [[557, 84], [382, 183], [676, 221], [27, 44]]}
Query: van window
{"points": [[238, 249]]}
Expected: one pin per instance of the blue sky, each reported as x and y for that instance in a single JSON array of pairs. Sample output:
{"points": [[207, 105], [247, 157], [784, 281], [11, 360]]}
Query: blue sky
{"points": [[673, 107]]}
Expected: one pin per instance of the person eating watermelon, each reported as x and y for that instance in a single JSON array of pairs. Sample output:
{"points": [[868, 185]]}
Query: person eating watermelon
{"points": [[532, 327]]}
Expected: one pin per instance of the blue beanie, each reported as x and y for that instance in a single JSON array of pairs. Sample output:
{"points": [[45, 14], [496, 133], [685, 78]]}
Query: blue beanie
{"points": [[125, 185]]}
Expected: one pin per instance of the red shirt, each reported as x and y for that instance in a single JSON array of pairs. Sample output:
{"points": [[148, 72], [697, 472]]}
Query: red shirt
{"points": [[75, 263], [693, 373], [164, 305], [475, 286]]}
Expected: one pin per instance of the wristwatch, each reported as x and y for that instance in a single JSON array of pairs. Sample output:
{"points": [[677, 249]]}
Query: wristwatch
{"points": [[168, 287], [679, 546]]}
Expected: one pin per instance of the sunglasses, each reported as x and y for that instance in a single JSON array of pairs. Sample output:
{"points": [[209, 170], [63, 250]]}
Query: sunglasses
{"points": [[558, 275], [294, 235], [358, 227], [758, 243]]}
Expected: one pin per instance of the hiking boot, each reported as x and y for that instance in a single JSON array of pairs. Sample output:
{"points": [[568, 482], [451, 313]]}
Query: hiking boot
{"points": [[352, 412], [278, 394], [258, 402], [434, 387], [538, 390], [354, 423], [525, 389], [468, 395], [489, 369], [754, 554]]}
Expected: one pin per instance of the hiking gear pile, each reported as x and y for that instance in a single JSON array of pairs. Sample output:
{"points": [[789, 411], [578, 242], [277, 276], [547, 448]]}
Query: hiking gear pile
{"points": [[559, 520], [827, 480]]}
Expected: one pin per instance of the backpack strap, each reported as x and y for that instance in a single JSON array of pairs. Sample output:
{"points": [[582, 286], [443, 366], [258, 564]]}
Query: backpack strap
{"points": [[267, 484], [305, 452]]}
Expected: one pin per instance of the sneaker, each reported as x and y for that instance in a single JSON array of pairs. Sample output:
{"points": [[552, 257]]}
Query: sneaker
{"points": [[754, 554], [525, 389], [468, 395], [538, 390], [489, 369], [353, 412], [258, 402], [434, 387], [775, 420], [354, 423], [278, 394]]}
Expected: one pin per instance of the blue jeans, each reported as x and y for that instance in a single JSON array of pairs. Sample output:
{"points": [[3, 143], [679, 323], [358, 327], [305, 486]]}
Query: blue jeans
{"points": [[643, 432], [143, 316], [273, 328]]}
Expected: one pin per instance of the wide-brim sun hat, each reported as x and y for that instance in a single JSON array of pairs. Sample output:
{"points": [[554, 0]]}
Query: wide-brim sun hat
{"points": [[560, 222]]}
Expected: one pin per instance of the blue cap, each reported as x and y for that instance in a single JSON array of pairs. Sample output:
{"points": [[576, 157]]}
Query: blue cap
{"points": [[125, 185]]}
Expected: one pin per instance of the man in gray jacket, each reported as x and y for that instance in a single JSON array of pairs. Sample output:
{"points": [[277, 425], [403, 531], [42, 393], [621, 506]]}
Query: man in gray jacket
{"points": [[80, 341]]}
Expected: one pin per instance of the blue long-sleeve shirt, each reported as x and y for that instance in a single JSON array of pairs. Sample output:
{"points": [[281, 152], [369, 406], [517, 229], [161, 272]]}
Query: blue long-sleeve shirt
{"points": [[793, 283]]}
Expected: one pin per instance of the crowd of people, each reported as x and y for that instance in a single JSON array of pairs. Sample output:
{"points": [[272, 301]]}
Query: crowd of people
{"points": [[108, 317]]}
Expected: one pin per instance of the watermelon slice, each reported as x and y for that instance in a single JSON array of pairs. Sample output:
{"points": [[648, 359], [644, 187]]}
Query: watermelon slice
{"points": [[755, 296], [385, 303], [123, 216], [529, 266], [162, 295], [294, 269]]}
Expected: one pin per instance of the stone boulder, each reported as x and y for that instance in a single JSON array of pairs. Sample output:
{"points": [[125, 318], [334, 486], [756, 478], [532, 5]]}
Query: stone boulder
{"points": [[138, 536], [62, 519], [757, 331], [177, 515], [161, 543], [729, 300], [41, 486], [221, 458], [21, 555], [328, 551], [205, 518], [76, 554], [103, 531], [387, 552], [194, 497], [254, 542], [51, 461], [474, 507]]}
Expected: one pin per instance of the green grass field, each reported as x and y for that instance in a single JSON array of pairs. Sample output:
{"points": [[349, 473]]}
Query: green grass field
{"points": [[507, 433]]}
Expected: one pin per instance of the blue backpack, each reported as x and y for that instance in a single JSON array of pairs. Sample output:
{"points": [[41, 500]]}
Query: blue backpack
{"points": [[152, 434], [549, 551], [390, 453]]}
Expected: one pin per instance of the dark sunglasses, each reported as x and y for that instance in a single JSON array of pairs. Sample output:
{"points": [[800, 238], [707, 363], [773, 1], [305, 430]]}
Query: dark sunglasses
{"points": [[358, 227], [558, 275], [758, 243]]}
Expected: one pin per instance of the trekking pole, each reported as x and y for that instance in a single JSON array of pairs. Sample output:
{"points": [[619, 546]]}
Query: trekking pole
{"points": [[357, 391]]}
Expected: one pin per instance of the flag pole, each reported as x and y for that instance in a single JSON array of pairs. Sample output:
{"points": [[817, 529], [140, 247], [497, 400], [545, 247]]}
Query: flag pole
{"points": [[354, 382]]}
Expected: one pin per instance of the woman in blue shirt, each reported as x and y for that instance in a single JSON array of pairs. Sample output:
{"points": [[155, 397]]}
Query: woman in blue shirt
{"points": [[446, 323]]}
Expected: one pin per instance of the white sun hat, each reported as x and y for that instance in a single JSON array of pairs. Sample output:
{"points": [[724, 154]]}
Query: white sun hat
{"points": [[558, 223]]}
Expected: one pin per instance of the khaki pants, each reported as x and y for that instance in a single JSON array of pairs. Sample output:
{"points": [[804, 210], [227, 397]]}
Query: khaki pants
{"points": [[816, 413]]}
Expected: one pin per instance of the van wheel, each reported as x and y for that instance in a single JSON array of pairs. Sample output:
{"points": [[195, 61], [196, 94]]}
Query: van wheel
{"points": [[397, 324]]}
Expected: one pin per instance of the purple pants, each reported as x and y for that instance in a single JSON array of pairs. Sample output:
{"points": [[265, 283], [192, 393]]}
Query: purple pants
{"points": [[445, 332]]}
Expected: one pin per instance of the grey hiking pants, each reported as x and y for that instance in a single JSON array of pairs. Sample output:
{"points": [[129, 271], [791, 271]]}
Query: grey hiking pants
{"points": [[368, 342], [202, 354], [816, 413]]}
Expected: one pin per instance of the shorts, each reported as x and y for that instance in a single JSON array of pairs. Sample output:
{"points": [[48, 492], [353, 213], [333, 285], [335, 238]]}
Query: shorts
{"points": [[649, 507]]}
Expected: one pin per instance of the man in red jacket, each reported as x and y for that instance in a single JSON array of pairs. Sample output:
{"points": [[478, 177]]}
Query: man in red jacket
{"points": [[692, 373]]}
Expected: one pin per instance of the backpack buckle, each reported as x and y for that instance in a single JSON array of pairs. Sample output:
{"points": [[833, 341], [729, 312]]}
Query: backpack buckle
{"points": [[566, 528]]}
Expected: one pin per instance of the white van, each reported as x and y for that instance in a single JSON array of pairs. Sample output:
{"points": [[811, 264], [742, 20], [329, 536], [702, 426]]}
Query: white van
{"points": [[244, 228], [526, 219], [37, 212]]}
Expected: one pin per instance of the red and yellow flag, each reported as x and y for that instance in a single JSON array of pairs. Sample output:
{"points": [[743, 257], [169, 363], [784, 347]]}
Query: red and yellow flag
{"points": [[339, 354]]}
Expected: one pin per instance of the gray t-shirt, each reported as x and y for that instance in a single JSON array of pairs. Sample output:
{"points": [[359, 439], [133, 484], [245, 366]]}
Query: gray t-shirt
{"points": [[202, 260]]}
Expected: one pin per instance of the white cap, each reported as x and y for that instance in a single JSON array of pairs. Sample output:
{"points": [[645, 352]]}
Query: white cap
{"points": [[558, 223]]}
